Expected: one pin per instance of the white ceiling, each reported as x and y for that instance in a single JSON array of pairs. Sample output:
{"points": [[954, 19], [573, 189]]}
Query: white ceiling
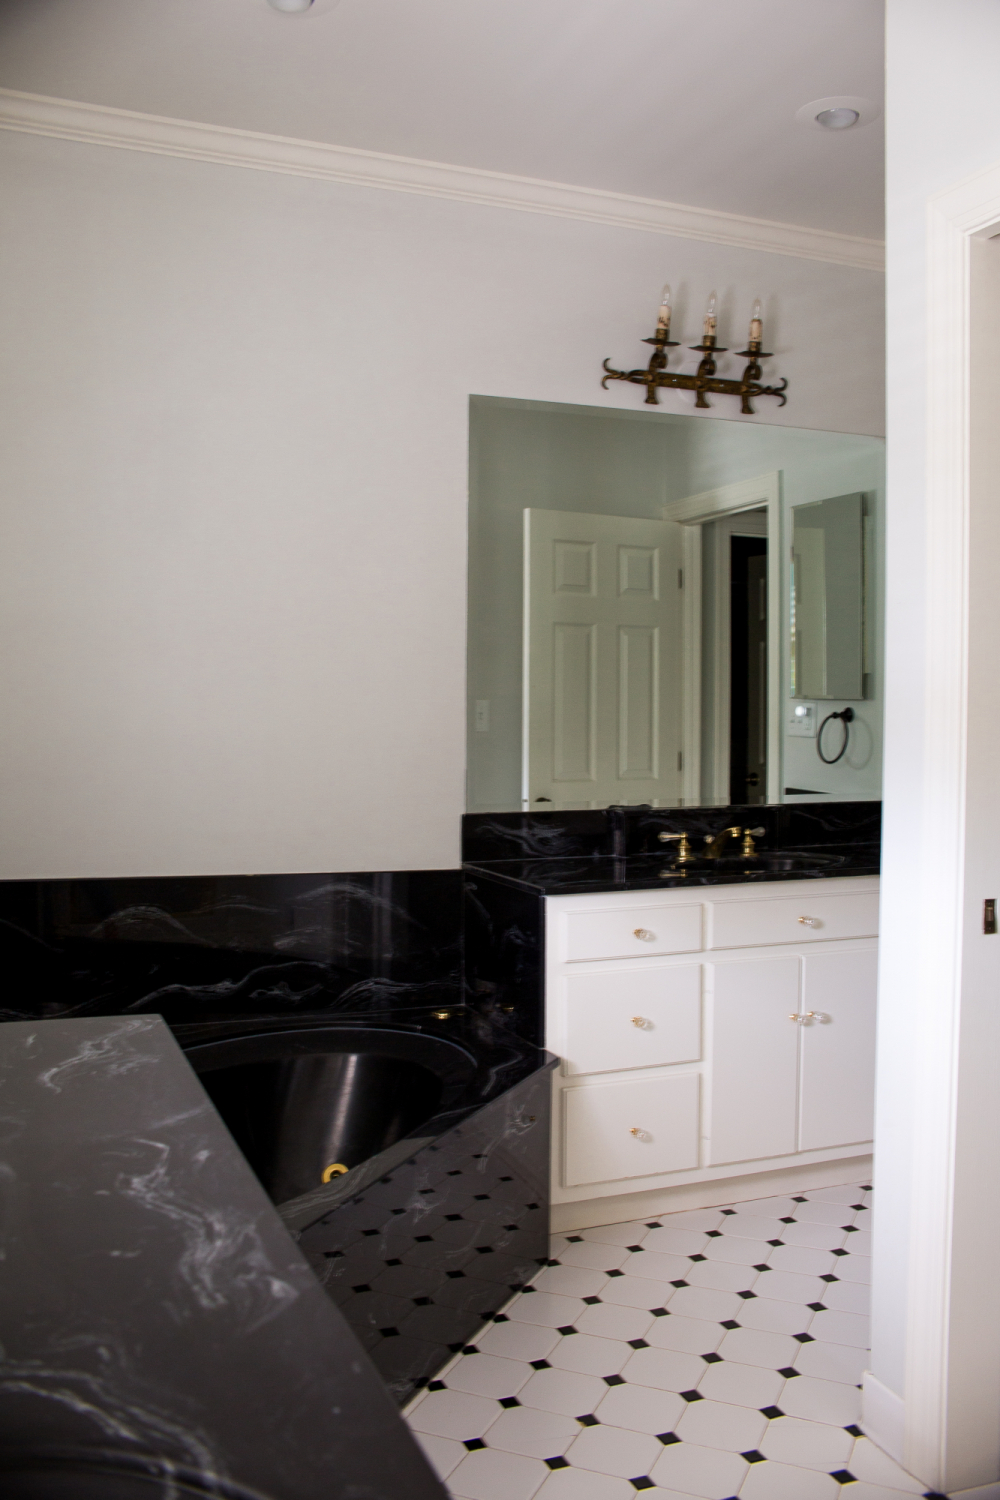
{"points": [[692, 101]]}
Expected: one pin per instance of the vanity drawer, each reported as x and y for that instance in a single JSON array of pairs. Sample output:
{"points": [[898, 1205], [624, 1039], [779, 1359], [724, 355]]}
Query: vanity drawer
{"points": [[632, 1018], [800, 918], [631, 931], [630, 1129]]}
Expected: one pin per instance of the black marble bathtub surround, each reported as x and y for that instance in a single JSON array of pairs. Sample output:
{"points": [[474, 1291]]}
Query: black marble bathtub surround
{"points": [[162, 1333]]}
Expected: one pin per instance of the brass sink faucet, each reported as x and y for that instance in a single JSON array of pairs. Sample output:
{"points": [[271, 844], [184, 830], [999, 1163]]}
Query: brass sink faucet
{"points": [[714, 846]]}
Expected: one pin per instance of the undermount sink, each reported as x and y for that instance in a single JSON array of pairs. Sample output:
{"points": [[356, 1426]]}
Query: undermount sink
{"points": [[776, 861]]}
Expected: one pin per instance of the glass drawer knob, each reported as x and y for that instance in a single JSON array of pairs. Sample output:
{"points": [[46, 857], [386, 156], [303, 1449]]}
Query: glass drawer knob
{"points": [[644, 934], [810, 921], [640, 1021]]}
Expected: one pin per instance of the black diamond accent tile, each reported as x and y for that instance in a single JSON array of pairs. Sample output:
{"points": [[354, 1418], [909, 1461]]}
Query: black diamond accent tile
{"points": [[691, 1396], [423, 1239], [528, 1289], [635, 1249], [452, 1218], [682, 1282], [484, 1249], [613, 1380], [729, 1210], [455, 1348], [540, 1364], [470, 1349], [527, 1205], [589, 1420], [770, 1412], [933, 1495], [423, 1301], [844, 1476], [509, 1401], [637, 1343], [654, 1224], [787, 1219], [854, 1431], [730, 1323], [762, 1267], [481, 1198], [591, 1300], [789, 1373], [454, 1275], [659, 1312], [362, 1287], [866, 1187], [502, 1179], [367, 1232], [398, 1210], [642, 1483], [333, 1254], [746, 1295], [553, 1262], [473, 1443], [697, 1257], [800, 1200], [500, 1318], [575, 1239], [666, 1438], [803, 1338], [714, 1234], [816, 1306], [455, 1172], [753, 1457], [829, 1278], [775, 1242], [849, 1228], [712, 1359], [557, 1463], [511, 1227], [566, 1330], [436, 1385], [856, 1205], [841, 1252], [616, 1273], [396, 1262]]}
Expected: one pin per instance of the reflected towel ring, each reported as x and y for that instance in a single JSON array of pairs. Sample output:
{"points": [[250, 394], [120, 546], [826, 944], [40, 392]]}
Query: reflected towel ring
{"points": [[847, 717]]}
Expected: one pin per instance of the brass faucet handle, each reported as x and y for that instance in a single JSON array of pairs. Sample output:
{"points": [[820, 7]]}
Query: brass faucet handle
{"points": [[683, 844], [749, 834]]}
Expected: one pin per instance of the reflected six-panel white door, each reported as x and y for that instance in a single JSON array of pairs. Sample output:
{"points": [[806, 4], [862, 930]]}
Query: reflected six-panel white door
{"points": [[603, 625]]}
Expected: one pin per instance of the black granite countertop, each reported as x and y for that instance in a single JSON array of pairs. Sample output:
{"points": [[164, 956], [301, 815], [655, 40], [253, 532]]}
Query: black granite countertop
{"points": [[161, 1331], [645, 872]]}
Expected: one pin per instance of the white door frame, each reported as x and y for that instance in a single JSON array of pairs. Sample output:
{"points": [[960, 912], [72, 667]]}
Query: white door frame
{"points": [[763, 492], [938, 1122]]}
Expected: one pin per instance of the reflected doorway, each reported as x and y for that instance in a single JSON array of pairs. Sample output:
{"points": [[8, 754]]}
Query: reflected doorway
{"points": [[748, 669]]}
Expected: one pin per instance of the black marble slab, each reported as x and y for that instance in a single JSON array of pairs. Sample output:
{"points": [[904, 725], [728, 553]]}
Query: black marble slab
{"points": [[162, 1334], [197, 948]]}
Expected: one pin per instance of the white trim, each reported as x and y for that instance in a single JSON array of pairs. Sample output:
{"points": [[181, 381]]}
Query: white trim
{"points": [[884, 1416], [94, 124], [691, 667], [729, 499]]}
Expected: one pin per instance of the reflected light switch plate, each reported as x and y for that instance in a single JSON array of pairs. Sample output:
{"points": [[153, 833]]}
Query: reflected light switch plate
{"points": [[801, 720], [482, 715]]}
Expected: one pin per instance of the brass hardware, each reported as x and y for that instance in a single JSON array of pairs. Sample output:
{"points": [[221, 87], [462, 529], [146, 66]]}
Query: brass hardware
{"points": [[640, 1021], [636, 1131], [713, 846], [335, 1169], [644, 933], [749, 834], [441, 1015], [809, 1015], [810, 922], [793, 1015], [682, 842], [656, 374]]}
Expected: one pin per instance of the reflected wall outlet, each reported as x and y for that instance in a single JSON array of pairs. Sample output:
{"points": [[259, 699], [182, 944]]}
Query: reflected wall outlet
{"points": [[801, 720]]}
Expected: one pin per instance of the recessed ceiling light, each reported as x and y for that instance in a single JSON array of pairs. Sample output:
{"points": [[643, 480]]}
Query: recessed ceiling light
{"points": [[841, 112], [290, 6], [838, 119]]}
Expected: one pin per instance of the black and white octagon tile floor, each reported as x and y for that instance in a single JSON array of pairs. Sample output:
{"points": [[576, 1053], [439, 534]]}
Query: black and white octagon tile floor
{"points": [[707, 1354]]}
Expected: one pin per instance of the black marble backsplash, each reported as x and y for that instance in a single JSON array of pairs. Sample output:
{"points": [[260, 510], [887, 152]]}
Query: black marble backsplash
{"points": [[200, 948], [623, 831]]}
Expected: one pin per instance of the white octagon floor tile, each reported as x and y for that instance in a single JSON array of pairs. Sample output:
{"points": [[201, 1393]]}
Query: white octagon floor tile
{"points": [[670, 1241], [546, 1308], [517, 1340], [637, 1291], [710, 1473], [641, 1408], [858, 1244], [563, 1391], [741, 1385], [753, 1226], [720, 1276], [816, 1211], [587, 1355], [486, 1375], [788, 1286], [570, 1281], [832, 1362], [705, 1219], [701, 1302], [658, 1267], [815, 1236], [714, 1424], [611, 1450], [841, 1328], [801, 1258], [870, 1464], [811, 1445], [844, 1196], [737, 1250], [848, 1296], [443, 1454], [821, 1401], [665, 1369], [629, 1233], [771, 1481], [610, 1321], [594, 1255], [687, 1335], [454, 1414], [578, 1484], [865, 1491], [855, 1268], [750, 1346], [533, 1433], [490, 1475], [775, 1317], [767, 1208]]}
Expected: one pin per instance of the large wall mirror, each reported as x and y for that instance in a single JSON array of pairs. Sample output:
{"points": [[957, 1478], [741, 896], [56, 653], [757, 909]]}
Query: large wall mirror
{"points": [[667, 609]]}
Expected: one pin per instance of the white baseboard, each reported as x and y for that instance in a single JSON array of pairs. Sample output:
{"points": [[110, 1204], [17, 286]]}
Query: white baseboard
{"points": [[619, 1208], [882, 1416], [981, 1492]]}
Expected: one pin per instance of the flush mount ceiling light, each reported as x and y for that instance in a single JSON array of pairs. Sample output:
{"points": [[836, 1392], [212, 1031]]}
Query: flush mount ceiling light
{"points": [[840, 112]]}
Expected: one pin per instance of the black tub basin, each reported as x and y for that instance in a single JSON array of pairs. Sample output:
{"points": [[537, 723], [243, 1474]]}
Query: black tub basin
{"points": [[306, 1106]]}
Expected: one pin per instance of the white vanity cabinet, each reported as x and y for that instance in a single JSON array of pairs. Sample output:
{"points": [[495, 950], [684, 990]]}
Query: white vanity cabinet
{"points": [[709, 1032]]}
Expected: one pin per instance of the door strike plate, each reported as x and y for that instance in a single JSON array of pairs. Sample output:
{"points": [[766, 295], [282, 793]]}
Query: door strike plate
{"points": [[990, 916]]}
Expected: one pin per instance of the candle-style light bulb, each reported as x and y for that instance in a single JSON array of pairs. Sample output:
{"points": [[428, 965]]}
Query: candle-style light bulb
{"points": [[756, 322], [708, 328], [663, 321]]}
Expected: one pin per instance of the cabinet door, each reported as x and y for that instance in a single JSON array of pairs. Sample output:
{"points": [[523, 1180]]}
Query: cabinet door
{"points": [[838, 1048], [755, 1048]]}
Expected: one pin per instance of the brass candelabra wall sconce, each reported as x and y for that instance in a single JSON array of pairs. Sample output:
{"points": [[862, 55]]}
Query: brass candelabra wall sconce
{"points": [[705, 379]]}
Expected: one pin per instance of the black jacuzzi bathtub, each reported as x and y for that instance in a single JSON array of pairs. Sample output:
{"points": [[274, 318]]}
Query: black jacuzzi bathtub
{"points": [[307, 1105]]}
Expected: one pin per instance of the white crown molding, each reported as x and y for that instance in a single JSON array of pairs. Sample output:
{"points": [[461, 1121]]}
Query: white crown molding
{"points": [[98, 125]]}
